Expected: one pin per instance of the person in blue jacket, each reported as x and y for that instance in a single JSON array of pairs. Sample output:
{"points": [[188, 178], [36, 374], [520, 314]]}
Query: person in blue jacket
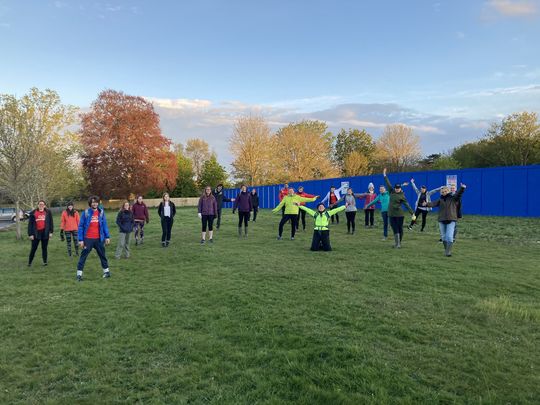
{"points": [[93, 234]]}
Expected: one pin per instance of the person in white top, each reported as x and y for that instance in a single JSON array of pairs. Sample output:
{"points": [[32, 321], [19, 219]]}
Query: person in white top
{"points": [[166, 212]]}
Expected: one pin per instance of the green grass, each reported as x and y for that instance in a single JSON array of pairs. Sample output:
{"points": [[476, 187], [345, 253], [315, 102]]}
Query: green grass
{"points": [[266, 321]]}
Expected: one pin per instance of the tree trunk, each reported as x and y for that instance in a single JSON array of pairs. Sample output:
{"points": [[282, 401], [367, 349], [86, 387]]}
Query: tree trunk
{"points": [[17, 219]]}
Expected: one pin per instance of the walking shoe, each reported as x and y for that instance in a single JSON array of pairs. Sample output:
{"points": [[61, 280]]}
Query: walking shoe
{"points": [[409, 227], [292, 237], [29, 264], [163, 244], [202, 241], [79, 278], [384, 238], [279, 238], [107, 274], [44, 264]]}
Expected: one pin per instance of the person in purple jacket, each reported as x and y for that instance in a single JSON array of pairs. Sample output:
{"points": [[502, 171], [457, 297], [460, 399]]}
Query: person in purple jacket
{"points": [[141, 216], [207, 213], [243, 204]]}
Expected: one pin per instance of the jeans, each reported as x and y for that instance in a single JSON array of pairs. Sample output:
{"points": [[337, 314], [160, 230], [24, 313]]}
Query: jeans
{"points": [[255, 210], [90, 244], [369, 217], [166, 227], [384, 215], [447, 231], [123, 245]]}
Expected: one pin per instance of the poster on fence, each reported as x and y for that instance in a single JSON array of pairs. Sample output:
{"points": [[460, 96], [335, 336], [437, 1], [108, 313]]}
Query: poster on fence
{"points": [[344, 186], [451, 180]]}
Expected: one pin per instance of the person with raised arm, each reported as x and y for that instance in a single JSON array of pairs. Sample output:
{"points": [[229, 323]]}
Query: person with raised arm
{"points": [[289, 204], [395, 212], [384, 199], [331, 198], [422, 196], [350, 209], [301, 213], [321, 232]]}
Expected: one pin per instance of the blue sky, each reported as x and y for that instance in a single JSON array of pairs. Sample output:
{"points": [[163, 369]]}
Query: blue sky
{"points": [[446, 67]]}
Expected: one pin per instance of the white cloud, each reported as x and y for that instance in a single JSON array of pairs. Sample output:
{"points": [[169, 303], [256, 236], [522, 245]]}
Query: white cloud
{"points": [[513, 8], [179, 103]]}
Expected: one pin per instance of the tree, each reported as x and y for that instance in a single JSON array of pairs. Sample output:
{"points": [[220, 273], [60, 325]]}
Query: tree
{"points": [[398, 147], [212, 173], [303, 151], [124, 151], [185, 183], [251, 146], [356, 164], [350, 141], [199, 152], [445, 162], [35, 148], [516, 140]]}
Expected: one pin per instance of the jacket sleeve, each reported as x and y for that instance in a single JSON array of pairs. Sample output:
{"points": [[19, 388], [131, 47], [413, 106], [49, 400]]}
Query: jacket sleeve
{"points": [[308, 210], [31, 224], [105, 226], [225, 199], [235, 204], [63, 220], [118, 218], [309, 195], [49, 214], [200, 205], [81, 226], [433, 203], [250, 204], [305, 199], [415, 188], [160, 209], [278, 206], [214, 204], [374, 201], [361, 195], [388, 184], [336, 210], [146, 213], [435, 190], [458, 195], [406, 203], [173, 209]]}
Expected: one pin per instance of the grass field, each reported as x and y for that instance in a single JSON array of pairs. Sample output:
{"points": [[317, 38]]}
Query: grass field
{"points": [[264, 321]]}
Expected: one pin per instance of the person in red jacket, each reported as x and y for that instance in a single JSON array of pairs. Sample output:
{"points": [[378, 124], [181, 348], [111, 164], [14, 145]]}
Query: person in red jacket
{"points": [[302, 213], [69, 227], [141, 216], [369, 210]]}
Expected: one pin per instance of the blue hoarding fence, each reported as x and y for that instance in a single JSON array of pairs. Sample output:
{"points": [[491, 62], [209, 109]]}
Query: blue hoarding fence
{"points": [[501, 191]]}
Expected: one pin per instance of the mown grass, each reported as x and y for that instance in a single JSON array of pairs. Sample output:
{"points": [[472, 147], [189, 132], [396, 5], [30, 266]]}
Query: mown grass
{"points": [[263, 321]]}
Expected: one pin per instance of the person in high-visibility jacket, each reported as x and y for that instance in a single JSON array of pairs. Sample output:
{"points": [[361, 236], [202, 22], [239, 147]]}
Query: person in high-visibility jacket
{"points": [[290, 204], [321, 233]]}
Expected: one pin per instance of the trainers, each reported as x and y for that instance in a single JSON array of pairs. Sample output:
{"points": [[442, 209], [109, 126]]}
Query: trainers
{"points": [[79, 278], [107, 274], [202, 241], [292, 237], [409, 228], [44, 264], [279, 238]]}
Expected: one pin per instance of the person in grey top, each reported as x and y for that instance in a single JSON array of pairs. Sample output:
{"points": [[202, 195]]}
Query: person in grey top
{"points": [[350, 209]]}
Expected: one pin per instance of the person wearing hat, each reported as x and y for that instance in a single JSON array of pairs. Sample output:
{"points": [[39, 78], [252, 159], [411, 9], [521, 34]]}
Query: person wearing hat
{"points": [[422, 196], [290, 203], [369, 210], [69, 226], [395, 212], [321, 232]]}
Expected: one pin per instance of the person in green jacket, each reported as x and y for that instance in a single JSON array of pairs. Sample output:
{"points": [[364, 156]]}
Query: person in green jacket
{"points": [[321, 233], [395, 212], [290, 213], [384, 199]]}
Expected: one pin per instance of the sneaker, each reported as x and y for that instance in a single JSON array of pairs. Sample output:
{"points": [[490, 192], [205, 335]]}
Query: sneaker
{"points": [[107, 274], [202, 241], [384, 238], [29, 264], [292, 237], [79, 278], [44, 264], [409, 228], [279, 238]]}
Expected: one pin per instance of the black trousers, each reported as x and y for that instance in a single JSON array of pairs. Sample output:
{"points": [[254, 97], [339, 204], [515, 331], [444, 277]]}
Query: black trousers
{"points": [[321, 240], [218, 224], [255, 211], [351, 215], [336, 216], [369, 217], [288, 217], [44, 243], [424, 215], [208, 221], [397, 226], [301, 216], [166, 227], [243, 217], [90, 244]]}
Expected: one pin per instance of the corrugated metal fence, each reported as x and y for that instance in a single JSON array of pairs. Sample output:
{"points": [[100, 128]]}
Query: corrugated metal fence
{"points": [[500, 191]]}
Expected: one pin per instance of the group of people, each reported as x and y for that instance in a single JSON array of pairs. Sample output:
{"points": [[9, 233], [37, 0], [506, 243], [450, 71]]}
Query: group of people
{"points": [[89, 230]]}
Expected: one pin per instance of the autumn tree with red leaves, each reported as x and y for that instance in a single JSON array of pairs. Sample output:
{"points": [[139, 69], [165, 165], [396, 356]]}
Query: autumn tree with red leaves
{"points": [[124, 151]]}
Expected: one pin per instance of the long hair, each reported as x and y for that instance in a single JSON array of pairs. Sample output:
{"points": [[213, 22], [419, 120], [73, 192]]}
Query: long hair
{"points": [[124, 203], [70, 212], [204, 192]]}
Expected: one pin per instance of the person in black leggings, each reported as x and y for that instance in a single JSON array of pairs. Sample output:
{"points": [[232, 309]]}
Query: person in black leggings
{"points": [[40, 229], [243, 204]]}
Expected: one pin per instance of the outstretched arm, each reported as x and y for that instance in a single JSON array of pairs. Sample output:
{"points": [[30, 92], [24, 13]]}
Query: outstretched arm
{"points": [[414, 187], [374, 201], [278, 206], [435, 190], [308, 210], [336, 210], [406, 203], [306, 199]]}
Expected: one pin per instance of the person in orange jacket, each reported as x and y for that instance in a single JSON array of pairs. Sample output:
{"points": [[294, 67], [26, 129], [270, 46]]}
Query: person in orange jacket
{"points": [[69, 226]]}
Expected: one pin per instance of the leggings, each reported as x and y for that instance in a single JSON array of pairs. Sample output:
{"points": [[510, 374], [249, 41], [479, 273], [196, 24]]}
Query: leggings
{"points": [[424, 215], [336, 216], [293, 218], [35, 243], [69, 236], [243, 217], [166, 227], [208, 221], [384, 215], [369, 217], [218, 218], [301, 216], [351, 215], [139, 230], [397, 226]]}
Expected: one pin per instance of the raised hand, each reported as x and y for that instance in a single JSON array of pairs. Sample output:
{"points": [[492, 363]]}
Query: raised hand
{"points": [[463, 185], [412, 180], [384, 172]]}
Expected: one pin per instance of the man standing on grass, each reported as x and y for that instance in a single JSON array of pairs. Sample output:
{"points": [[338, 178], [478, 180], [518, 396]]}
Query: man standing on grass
{"points": [[289, 203], [220, 199], [93, 234]]}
